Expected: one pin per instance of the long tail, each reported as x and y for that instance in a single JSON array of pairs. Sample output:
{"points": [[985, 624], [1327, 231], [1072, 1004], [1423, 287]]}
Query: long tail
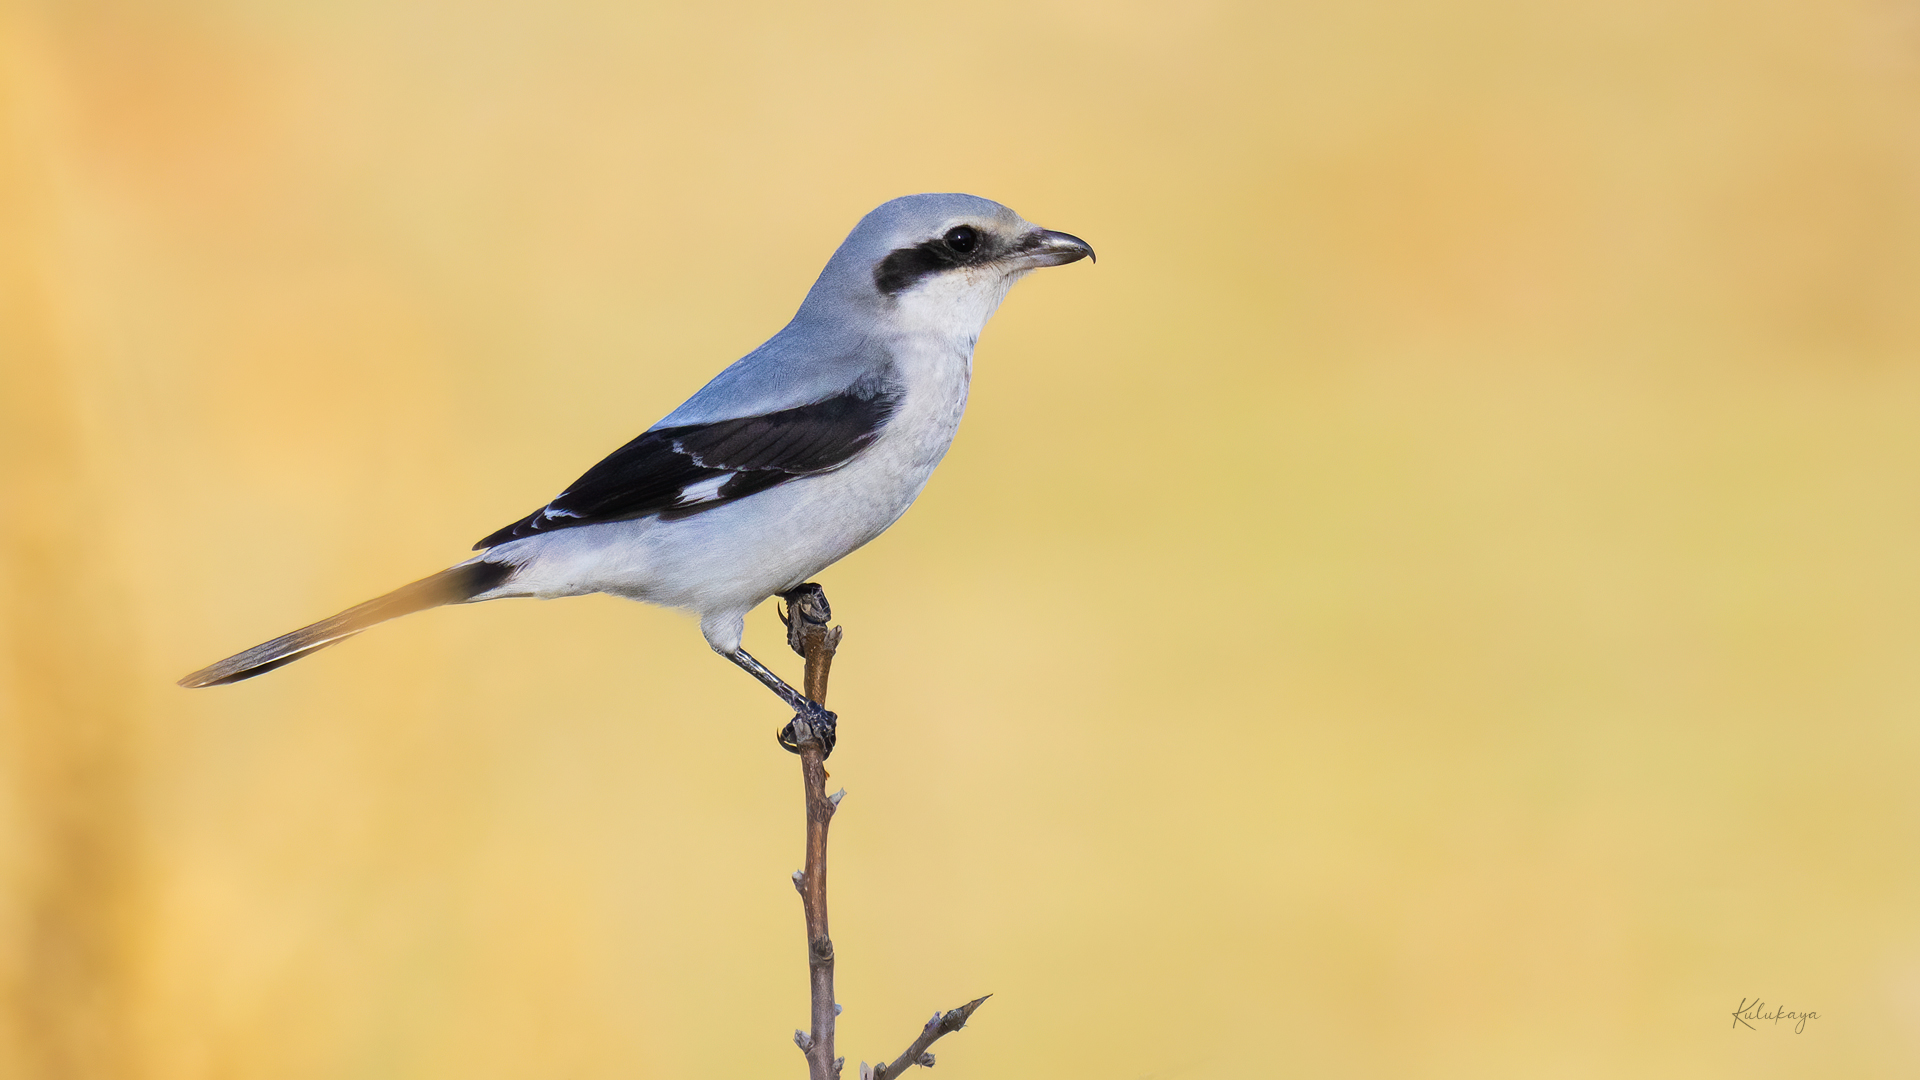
{"points": [[453, 585]]}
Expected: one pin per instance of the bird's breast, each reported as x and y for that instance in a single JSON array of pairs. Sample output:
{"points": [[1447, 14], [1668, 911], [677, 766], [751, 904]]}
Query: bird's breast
{"points": [[934, 378]]}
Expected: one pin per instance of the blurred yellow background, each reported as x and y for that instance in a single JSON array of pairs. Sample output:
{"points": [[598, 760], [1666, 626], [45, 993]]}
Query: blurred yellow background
{"points": [[1440, 598]]}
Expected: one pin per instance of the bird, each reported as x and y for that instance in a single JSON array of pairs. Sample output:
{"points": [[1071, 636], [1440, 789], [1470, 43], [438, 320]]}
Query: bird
{"points": [[790, 459]]}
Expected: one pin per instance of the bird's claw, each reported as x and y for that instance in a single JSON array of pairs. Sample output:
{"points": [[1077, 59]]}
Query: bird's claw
{"points": [[806, 608], [817, 722]]}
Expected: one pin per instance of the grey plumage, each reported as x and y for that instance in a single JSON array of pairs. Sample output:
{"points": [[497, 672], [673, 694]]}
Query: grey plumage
{"points": [[831, 342], [789, 459]]}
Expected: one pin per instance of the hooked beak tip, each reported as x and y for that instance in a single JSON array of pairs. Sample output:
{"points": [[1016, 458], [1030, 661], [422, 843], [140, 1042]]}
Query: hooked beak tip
{"points": [[1045, 247]]}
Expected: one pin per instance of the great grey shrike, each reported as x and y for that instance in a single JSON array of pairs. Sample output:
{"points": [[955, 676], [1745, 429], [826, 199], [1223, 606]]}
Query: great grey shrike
{"points": [[795, 455]]}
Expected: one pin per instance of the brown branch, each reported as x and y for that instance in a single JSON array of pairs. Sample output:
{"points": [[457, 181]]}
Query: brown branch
{"points": [[918, 1054], [807, 616]]}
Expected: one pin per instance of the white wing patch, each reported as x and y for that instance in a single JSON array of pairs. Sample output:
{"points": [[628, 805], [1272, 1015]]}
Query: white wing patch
{"points": [[703, 491]]}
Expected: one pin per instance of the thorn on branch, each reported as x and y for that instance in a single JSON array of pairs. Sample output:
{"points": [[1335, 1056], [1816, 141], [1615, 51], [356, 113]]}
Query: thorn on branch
{"points": [[800, 882], [802, 1040], [837, 796]]}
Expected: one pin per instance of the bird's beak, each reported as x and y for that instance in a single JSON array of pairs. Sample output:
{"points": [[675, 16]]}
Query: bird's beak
{"points": [[1044, 247]]}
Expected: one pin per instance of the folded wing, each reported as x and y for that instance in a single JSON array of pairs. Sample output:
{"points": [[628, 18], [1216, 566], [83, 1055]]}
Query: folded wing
{"points": [[677, 471]]}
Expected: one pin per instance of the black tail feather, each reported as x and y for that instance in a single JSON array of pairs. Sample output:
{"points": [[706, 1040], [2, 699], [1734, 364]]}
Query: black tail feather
{"points": [[454, 585]]}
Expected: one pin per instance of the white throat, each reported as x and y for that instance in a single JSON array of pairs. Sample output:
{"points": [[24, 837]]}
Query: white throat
{"points": [[953, 308]]}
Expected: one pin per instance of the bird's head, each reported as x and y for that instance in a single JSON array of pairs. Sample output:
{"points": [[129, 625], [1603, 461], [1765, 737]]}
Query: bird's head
{"points": [[944, 258]]}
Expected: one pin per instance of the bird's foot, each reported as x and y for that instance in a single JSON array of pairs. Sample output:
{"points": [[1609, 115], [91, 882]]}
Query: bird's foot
{"points": [[811, 722]]}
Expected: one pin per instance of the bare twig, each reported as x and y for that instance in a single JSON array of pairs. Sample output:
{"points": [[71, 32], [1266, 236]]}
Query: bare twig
{"points": [[807, 616], [918, 1054]]}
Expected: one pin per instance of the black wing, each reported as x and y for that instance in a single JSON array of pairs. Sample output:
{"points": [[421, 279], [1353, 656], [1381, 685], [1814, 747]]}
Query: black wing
{"points": [[677, 471]]}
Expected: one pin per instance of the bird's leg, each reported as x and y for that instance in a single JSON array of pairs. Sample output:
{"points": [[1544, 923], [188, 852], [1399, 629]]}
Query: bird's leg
{"points": [[804, 710], [795, 699]]}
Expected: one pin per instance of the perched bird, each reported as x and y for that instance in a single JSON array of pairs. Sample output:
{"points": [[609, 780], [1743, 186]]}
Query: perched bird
{"points": [[795, 455]]}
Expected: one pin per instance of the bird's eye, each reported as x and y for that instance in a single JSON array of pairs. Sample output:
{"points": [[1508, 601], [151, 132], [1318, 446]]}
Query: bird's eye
{"points": [[962, 238]]}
